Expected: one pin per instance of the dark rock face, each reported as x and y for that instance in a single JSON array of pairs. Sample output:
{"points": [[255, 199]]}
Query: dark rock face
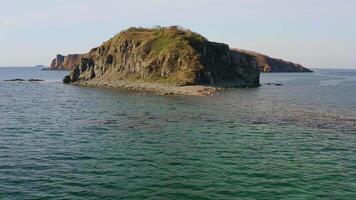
{"points": [[165, 55], [65, 62], [268, 64], [222, 65]]}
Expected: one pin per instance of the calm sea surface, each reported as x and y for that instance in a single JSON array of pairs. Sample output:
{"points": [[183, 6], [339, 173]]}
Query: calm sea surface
{"points": [[296, 141]]}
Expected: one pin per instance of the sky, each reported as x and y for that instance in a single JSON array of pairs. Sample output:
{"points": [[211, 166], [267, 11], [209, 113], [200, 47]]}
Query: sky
{"points": [[314, 33]]}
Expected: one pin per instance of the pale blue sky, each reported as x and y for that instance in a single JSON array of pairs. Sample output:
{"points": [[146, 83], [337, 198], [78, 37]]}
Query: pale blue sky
{"points": [[315, 33]]}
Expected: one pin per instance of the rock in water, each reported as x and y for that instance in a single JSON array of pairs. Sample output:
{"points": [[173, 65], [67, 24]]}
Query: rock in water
{"points": [[35, 80], [170, 56], [66, 79], [15, 80], [22, 80]]}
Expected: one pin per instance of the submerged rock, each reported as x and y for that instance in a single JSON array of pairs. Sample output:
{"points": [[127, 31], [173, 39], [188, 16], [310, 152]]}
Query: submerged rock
{"points": [[35, 80], [22, 80], [170, 56], [16, 80], [274, 84]]}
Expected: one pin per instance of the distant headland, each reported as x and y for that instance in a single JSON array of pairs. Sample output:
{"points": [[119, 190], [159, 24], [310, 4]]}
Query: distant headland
{"points": [[274, 65]]}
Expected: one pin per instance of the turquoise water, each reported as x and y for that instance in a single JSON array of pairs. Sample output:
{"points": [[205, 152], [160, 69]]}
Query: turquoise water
{"points": [[296, 141]]}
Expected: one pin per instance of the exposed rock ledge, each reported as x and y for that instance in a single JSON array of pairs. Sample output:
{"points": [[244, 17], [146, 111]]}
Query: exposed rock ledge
{"points": [[165, 60]]}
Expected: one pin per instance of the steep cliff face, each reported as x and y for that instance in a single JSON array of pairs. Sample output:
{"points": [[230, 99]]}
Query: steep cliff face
{"points": [[268, 64], [264, 63], [66, 62], [166, 55]]}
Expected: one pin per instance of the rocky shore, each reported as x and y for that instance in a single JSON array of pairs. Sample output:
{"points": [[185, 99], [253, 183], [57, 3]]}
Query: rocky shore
{"points": [[159, 88]]}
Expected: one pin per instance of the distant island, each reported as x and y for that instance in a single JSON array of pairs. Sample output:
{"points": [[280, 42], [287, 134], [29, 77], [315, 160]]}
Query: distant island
{"points": [[168, 60]]}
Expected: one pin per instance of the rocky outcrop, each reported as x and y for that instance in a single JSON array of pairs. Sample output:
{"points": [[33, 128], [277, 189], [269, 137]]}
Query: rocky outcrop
{"points": [[22, 80], [268, 64], [170, 56], [66, 62]]}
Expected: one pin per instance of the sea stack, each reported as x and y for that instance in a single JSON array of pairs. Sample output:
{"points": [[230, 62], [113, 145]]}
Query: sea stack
{"points": [[167, 56]]}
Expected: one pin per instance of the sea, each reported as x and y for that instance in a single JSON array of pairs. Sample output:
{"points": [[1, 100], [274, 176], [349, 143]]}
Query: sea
{"points": [[292, 138]]}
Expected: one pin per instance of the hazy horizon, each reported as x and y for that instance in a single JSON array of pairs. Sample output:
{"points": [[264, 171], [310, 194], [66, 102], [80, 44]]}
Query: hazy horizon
{"points": [[314, 33]]}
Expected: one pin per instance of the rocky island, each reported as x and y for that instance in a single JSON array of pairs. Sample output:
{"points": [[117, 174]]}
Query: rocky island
{"points": [[166, 60], [265, 63]]}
